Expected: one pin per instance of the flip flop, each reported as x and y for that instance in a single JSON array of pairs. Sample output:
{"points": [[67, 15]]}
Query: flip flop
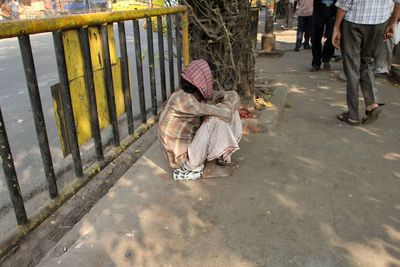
{"points": [[371, 115], [345, 117], [234, 163]]}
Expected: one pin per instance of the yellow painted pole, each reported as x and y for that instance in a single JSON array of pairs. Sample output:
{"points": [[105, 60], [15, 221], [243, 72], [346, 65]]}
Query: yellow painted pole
{"points": [[31, 26], [185, 38]]}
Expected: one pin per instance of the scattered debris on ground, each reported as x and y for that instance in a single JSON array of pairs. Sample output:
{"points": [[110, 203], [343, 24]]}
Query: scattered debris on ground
{"points": [[251, 108]]}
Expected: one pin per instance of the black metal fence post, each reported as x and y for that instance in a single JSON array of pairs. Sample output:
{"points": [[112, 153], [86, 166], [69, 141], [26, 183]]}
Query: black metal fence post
{"points": [[170, 55], [125, 76], [94, 117], [40, 124], [178, 42], [11, 175], [139, 68], [109, 85], [65, 92], [161, 57], [150, 46]]}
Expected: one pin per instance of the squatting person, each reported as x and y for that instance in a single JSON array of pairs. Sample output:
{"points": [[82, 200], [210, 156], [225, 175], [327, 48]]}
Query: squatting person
{"points": [[199, 129]]}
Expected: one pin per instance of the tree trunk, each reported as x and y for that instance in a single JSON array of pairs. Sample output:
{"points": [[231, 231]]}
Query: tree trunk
{"points": [[220, 31]]}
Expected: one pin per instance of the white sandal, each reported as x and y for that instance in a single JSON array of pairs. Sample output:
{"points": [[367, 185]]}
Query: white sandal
{"points": [[183, 174]]}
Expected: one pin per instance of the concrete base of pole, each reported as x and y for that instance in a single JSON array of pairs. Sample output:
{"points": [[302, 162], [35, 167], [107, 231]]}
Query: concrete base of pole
{"points": [[268, 42], [271, 54]]}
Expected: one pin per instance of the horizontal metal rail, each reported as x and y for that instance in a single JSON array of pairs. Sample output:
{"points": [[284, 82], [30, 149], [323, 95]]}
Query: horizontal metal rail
{"points": [[20, 27]]}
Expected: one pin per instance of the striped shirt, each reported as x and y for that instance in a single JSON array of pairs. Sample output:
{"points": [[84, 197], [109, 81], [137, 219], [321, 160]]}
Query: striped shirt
{"points": [[370, 12], [182, 117]]}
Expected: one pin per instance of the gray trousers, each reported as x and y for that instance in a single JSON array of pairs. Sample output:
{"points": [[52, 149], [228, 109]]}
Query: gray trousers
{"points": [[290, 15], [358, 45], [384, 55]]}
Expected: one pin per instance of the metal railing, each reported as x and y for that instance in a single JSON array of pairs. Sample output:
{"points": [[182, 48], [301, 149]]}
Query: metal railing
{"points": [[23, 29]]}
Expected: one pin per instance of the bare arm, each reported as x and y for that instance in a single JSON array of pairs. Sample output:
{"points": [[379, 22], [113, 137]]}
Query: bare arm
{"points": [[337, 35], [187, 106]]}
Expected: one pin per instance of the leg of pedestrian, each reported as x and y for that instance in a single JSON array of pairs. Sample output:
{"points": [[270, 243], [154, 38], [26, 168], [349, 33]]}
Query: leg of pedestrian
{"points": [[328, 49], [351, 66], [383, 58], [367, 79], [316, 37], [300, 32], [308, 32]]}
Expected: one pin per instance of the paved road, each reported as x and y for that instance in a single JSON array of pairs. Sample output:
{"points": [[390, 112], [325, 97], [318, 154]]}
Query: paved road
{"points": [[15, 105]]}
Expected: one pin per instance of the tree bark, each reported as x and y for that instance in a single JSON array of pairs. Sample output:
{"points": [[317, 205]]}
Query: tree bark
{"points": [[220, 31]]}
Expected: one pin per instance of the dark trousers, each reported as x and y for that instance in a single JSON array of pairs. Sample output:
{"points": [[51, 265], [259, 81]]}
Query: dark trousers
{"points": [[304, 27], [358, 46], [323, 21]]}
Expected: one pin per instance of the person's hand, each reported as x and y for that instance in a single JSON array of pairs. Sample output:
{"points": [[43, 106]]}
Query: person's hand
{"points": [[389, 32], [336, 38], [204, 119], [220, 99]]}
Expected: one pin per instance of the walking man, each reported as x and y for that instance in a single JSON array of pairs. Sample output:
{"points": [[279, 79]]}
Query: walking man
{"points": [[323, 20], [5, 10], [360, 26], [304, 24], [14, 9], [290, 9]]}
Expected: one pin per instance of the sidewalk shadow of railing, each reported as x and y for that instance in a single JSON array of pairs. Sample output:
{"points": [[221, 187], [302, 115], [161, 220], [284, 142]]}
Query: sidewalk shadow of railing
{"points": [[297, 199]]}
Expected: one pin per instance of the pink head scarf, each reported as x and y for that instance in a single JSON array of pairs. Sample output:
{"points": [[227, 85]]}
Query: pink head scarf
{"points": [[199, 74]]}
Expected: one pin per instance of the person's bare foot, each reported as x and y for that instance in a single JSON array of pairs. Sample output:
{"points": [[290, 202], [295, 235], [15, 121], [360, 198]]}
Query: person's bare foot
{"points": [[213, 170], [234, 163], [371, 107]]}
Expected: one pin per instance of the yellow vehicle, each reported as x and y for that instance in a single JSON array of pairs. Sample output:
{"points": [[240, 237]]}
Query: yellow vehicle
{"points": [[254, 3], [125, 5]]}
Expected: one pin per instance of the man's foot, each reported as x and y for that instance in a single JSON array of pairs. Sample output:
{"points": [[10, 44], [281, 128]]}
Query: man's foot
{"points": [[213, 170], [296, 49], [307, 47], [371, 115], [327, 66], [315, 68], [381, 71], [284, 27], [345, 118]]}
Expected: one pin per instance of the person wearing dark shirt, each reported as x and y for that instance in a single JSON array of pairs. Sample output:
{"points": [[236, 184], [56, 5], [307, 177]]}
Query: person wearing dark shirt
{"points": [[323, 20]]}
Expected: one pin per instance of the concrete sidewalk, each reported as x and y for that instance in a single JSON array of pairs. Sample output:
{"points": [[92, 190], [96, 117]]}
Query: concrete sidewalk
{"points": [[315, 192]]}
